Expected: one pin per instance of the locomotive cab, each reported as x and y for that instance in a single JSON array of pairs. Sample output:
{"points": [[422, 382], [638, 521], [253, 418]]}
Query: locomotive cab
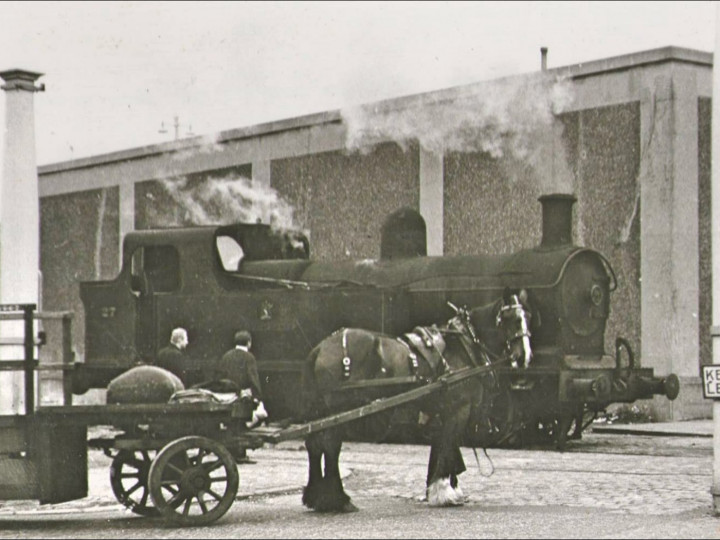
{"points": [[163, 272]]}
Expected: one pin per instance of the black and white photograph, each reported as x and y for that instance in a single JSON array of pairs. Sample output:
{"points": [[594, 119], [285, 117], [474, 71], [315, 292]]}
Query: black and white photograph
{"points": [[302, 269]]}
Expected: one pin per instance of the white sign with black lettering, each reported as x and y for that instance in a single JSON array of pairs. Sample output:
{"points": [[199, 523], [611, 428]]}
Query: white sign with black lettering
{"points": [[711, 381]]}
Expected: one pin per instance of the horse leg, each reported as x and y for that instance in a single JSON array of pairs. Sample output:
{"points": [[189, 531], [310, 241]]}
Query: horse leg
{"points": [[579, 416], [311, 492], [331, 496], [446, 462], [459, 467]]}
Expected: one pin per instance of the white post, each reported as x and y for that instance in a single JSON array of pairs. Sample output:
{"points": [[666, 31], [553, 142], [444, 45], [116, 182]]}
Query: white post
{"points": [[432, 199], [19, 223], [715, 233]]}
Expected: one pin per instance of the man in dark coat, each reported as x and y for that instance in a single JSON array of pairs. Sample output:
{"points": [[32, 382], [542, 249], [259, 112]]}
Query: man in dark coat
{"points": [[239, 365], [172, 357]]}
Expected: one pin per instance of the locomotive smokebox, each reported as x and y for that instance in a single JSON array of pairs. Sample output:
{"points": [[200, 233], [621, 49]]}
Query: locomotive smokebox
{"points": [[403, 235], [556, 219]]}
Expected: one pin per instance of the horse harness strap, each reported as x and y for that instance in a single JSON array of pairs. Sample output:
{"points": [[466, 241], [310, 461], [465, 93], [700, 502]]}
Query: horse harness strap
{"points": [[412, 359], [420, 343], [346, 361]]}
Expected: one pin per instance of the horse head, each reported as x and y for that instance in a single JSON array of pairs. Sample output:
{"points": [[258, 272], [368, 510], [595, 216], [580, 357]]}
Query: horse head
{"points": [[502, 327], [513, 321]]}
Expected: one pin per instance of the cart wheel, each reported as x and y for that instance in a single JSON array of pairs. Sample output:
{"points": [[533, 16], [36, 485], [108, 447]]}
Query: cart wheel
{"points": [[129, 481], [193, 481]]}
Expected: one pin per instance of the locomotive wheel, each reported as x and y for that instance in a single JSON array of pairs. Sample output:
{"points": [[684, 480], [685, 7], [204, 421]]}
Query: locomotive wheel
{"points": [[555, 430], [129, 481], [193, 481]]}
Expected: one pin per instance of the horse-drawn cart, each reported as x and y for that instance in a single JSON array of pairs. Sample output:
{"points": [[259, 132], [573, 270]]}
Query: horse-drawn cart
{"points": [[173, 459], [177, 460]]}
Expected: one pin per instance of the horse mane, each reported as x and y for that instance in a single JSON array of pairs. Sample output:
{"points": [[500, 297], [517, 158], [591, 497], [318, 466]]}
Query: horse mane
{"points": [[483, 320]]}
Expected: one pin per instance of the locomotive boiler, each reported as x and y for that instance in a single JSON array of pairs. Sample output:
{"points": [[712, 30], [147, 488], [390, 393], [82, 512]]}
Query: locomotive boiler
{"points": [[214, 280]]}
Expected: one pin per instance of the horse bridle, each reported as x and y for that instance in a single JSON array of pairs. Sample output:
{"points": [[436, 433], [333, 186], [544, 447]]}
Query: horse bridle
{"points": [[524, 331], [517, 306], [463, 316]]}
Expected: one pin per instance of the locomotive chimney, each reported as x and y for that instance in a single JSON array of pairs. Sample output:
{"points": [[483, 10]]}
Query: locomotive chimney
{"points": [[403, 235], [556, 219]]}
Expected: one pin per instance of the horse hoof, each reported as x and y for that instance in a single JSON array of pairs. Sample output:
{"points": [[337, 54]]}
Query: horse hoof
{"points": [[440, 493]]}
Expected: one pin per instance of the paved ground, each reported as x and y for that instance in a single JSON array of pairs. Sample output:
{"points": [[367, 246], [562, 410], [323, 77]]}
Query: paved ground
{"points": [[621, 481], [689, 428]]}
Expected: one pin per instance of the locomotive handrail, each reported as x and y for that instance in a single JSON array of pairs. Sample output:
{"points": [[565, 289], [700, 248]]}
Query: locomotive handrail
{"points": [[289, 283], [492, 287], [605, 262], [609, 269]]}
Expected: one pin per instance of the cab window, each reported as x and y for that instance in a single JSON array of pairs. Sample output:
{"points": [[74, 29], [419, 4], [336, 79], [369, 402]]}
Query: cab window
{"points": [[230, 252]]}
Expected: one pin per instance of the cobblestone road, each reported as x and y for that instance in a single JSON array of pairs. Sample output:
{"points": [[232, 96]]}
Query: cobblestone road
{"points": [[614, 486]]}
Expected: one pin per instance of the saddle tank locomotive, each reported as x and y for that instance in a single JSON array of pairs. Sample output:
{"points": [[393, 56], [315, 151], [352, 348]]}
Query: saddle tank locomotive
{"points": [[214, 280]]}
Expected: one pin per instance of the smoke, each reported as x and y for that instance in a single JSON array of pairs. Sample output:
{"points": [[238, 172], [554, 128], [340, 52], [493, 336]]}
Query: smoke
{"points": [[219, 201], [513, 119]]}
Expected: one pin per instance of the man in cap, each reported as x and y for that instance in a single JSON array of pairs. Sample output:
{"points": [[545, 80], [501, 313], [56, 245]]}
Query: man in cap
{"points": [[240, 366]]}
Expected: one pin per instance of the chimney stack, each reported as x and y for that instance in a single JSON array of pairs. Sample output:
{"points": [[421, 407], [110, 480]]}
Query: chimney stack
{"points": [[556, 219], [403, 235], [543, 58], [19, 221]]}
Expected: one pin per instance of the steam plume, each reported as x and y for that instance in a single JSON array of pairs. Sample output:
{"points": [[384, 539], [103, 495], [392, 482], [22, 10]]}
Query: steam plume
{"points": [[231, 199], [512, 119]]}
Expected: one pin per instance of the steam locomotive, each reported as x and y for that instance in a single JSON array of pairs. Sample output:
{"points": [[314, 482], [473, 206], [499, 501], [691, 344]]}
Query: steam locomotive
{"points": [[214, 280]]}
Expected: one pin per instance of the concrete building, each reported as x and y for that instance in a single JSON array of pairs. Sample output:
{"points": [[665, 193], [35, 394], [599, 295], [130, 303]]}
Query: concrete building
{"points": [[629, 136]]}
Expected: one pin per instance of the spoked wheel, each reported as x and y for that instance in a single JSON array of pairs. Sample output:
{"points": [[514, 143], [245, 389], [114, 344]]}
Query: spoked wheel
{"points": [[129, 481], [193, 481]]}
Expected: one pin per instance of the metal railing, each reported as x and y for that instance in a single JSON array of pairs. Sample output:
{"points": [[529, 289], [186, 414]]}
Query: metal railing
{"points": [[29, 364]]}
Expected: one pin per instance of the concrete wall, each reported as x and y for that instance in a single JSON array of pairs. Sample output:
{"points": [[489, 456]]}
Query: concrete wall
{"points": [[79, 241], [342, 199]]}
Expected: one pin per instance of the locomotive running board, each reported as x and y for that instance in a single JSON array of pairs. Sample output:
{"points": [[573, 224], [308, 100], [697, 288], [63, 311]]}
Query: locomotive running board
{"points": [[300, 431]]}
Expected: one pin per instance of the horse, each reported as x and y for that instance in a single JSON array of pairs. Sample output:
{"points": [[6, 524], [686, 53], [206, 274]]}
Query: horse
{"points": [[353, 366]]}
